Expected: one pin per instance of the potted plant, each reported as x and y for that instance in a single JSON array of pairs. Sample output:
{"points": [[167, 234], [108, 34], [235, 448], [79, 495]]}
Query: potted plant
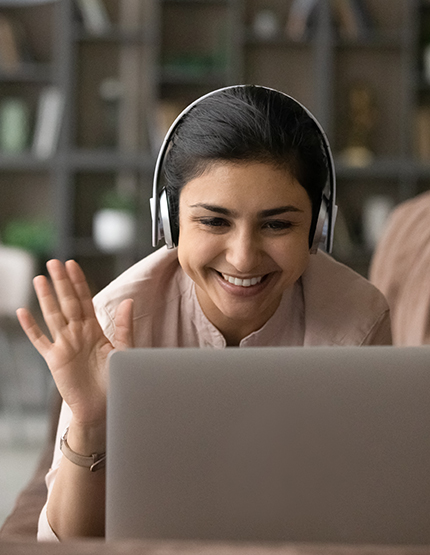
{"points": [[35, 235], [114, 224]]}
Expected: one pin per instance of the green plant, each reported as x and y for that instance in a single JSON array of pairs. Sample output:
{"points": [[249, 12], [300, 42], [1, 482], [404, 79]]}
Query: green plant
{"points": [[36, 236], [115, 200]]}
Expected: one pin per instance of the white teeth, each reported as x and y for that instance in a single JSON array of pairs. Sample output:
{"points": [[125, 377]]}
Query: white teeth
{"points": [[242, 282]]}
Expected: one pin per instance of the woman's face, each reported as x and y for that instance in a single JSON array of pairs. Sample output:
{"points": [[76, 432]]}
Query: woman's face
{"points": [[243, 239]]}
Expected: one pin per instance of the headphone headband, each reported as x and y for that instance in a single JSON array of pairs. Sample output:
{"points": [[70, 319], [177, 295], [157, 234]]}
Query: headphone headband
{"points": [[324, 230]]}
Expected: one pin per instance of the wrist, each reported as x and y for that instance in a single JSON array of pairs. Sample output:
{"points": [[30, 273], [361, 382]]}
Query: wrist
{"points": [[87, 439], [93, 462]]}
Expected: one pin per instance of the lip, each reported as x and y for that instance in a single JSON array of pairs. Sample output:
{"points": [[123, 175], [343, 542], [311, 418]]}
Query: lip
{"points": [[240, 290]]}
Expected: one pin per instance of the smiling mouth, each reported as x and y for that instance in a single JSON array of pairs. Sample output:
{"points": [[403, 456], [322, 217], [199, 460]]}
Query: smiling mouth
{"points": [[248, 282]]}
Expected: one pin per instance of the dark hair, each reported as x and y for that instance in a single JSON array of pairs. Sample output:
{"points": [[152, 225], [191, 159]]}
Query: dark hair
{"points": [[247, 124]]}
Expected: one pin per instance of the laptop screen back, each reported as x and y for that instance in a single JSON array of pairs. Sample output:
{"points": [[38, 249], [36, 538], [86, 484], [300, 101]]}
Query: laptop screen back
{"points": [[299, 444]]}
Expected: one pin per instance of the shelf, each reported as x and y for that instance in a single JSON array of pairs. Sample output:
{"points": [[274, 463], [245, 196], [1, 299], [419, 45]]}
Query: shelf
{"points": [[382, 168], [24, 161], [107, 160], [114, 35], [387, 168], [278, 41], [79, 160], [375, 40], [184, 77], [23, 3], [187, 48], [29, 73], [197, 2]]}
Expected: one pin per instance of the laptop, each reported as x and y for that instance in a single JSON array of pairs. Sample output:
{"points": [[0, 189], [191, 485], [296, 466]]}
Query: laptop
{"points": [[317, 444]]}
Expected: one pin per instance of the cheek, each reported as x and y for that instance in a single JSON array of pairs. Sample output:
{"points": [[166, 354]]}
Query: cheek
{"points": [[194, 251], [196, 243], [293, 258]]}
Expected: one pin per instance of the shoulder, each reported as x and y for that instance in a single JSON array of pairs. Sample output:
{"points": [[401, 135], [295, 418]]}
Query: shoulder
{"points": [[412, 208], [154, 281], [406, 236], [407, 227], [342, 307], [407, 224]]}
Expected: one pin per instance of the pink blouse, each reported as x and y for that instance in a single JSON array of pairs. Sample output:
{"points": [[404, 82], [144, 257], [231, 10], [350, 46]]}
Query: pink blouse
{"points": [[329, 305]]}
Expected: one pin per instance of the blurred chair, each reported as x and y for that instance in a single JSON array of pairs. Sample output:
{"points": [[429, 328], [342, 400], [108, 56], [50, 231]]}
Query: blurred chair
{"points": [[400, 268], [17, 268]]}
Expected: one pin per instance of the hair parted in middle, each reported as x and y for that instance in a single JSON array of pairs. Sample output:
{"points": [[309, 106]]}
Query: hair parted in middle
{"points": [[247, 124]]}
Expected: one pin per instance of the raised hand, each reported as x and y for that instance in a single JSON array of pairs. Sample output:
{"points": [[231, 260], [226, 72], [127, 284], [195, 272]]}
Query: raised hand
{"points": [[76, 355]]}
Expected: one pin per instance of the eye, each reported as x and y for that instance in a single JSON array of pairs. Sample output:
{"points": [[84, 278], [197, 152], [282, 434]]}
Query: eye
{"points": [[213, 222], [277, 225]]}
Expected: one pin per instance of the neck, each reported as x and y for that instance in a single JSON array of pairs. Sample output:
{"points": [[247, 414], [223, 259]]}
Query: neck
{"points": [[234, 330], [234, 337]]}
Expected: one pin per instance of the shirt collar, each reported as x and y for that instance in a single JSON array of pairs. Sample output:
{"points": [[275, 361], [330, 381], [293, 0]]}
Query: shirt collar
{"points": [[281, 329]]}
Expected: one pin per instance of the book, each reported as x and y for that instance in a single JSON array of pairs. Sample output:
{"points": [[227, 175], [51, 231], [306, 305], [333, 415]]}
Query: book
{"points": [[48, 122], [422, 133], [14, 124], [95, 16], [130, 63], [10, 57], [299, 18], [353, 18]]}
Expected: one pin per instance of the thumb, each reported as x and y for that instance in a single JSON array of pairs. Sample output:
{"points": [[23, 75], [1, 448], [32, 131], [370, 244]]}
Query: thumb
{"points": [[123, 337]]}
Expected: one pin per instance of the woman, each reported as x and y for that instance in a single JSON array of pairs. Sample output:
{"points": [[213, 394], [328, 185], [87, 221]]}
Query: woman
{"points": [[245, 173]]}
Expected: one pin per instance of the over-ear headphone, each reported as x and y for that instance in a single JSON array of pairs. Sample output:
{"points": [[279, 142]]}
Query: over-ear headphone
{"points": [[162, 224]]}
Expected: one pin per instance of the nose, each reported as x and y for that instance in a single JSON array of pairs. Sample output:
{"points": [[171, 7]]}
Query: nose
{"points": [[244, 251]]}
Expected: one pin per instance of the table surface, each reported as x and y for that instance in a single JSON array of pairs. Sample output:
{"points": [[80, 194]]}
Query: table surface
{"points": [[138, 547]]}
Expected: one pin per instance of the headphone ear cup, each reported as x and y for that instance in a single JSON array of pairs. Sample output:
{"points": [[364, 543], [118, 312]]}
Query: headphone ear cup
{"points": [[168, 229], [321, 228]]}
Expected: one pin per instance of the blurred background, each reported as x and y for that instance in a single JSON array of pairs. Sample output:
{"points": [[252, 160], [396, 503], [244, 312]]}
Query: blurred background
{"points": [[89, 87]]}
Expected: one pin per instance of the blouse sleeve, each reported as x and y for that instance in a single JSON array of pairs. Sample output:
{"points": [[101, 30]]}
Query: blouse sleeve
{"points": [[44, 531]]}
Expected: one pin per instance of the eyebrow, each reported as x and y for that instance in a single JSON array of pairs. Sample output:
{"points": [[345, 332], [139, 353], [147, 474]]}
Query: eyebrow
{"points": [[263, 213]]}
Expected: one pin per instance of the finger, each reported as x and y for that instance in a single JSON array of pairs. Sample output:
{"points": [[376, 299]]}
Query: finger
{"points": [[79, 282], [67, 297], [33, 332], [123, 337], [51, 311]]}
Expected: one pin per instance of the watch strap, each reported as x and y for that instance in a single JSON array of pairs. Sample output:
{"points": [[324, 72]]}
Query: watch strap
{"points": [[94, 462]]}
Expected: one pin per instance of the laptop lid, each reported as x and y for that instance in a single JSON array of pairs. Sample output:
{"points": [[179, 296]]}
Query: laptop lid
{"points": [[270, 444]]}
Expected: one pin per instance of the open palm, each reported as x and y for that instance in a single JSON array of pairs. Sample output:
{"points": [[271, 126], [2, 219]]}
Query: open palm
{"points": [[77, 351]]}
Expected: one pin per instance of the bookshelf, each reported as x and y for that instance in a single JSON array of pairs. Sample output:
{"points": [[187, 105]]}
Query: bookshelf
{"points": [[28, 69], [125, 69]]}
